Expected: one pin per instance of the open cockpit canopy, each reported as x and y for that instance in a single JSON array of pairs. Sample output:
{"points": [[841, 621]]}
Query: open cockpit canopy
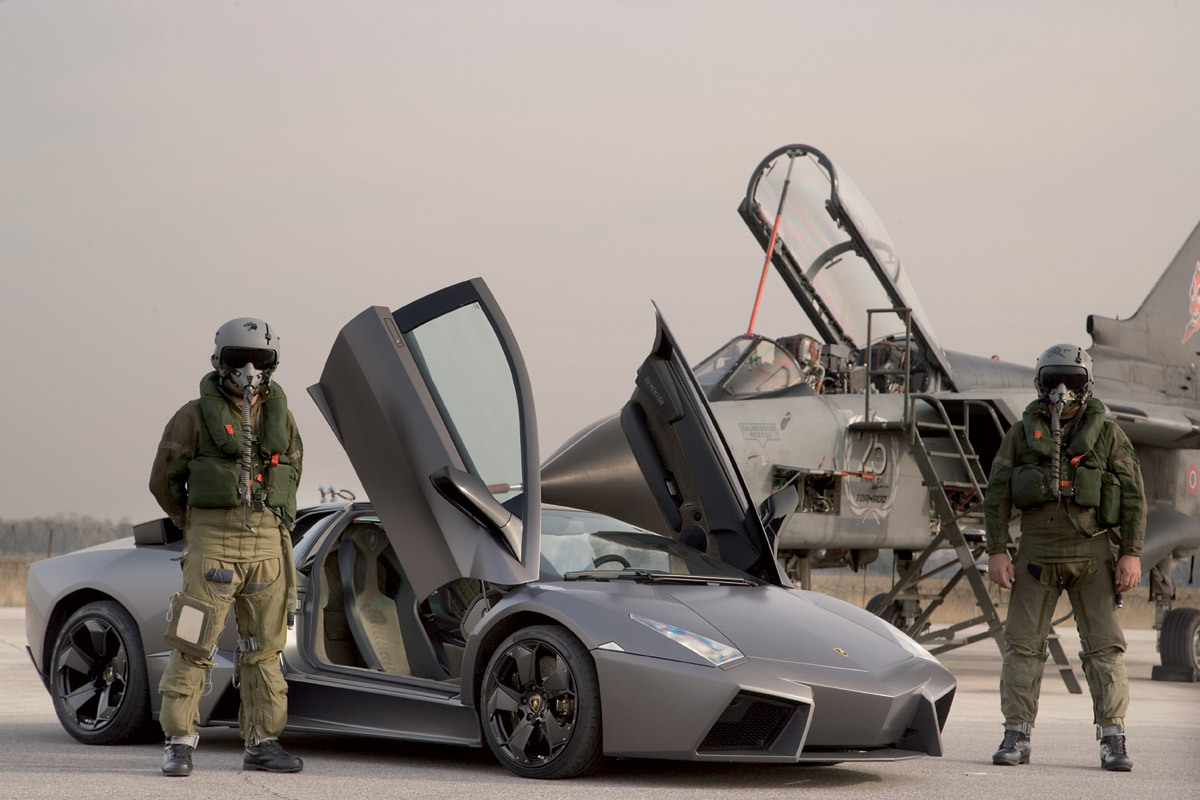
{"points": [[835, 255]]}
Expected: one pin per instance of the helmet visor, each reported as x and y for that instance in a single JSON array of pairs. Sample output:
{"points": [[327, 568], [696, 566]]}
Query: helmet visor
{"points": [[238, 357], [1074, 378]]}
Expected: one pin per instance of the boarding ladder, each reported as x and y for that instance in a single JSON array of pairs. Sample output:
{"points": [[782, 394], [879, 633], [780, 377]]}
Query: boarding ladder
{"points": [[952, 471]]}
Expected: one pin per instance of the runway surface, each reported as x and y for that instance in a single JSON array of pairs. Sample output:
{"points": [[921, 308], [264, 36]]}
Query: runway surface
{"points": [[39, 760]]}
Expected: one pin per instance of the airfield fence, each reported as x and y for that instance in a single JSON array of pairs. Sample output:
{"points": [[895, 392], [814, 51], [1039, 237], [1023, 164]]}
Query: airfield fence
{"points": [[25, 541]]}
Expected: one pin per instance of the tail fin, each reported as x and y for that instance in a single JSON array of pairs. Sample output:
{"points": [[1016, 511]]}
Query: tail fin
{"points": [[1166, 328]]}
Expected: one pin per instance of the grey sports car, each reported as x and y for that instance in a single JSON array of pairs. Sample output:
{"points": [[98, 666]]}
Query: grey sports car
{"points": [[457, 608]]}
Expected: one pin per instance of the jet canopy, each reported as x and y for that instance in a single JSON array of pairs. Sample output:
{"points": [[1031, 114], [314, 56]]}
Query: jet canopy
{"points": [[753, 366], [835, 255]]}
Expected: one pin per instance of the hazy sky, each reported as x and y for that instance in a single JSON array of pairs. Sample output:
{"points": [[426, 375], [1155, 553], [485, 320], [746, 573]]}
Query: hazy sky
{"points": [[167, 166]]}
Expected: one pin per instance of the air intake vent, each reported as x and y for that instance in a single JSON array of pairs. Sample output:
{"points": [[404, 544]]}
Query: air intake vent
{"points": [[750, 722]]}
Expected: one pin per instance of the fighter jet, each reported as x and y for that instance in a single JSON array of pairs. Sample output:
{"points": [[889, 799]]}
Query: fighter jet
{"points": [[888, 436]]}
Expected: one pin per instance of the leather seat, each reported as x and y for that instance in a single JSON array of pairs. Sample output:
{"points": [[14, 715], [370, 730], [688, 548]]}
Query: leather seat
{"points": [[369, 610]]}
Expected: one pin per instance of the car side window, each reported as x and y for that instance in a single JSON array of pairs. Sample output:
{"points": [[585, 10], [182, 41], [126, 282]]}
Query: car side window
{"points": [[475, 390]]}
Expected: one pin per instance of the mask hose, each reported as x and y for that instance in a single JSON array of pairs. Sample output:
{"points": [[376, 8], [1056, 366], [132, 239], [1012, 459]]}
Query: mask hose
{"points": [[247, 434], [1056, 457], [248, 380]]}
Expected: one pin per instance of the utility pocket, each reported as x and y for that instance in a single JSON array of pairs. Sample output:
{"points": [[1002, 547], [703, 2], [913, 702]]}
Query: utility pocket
{"points": [[192, 626], [281, 485], [1087, 487], [1030, 486], [1109, 512], [213, 483]]}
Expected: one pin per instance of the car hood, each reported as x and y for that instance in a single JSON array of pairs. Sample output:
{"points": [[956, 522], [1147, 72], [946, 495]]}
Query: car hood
{"points": [[801, 627]]}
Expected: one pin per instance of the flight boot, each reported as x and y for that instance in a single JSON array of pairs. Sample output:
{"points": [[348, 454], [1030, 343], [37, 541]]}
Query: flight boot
{"points": [[269, 756], [1112, 749], [177, 760], [1015, 749]]}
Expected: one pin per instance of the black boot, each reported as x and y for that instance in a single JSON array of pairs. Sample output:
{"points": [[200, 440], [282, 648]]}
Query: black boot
{"points": [[1112, 753], [1015, 749], [177, 762], [270, 756]]}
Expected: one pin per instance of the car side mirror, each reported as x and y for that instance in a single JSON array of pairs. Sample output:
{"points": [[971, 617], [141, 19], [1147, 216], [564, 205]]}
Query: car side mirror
{"points": [[469, 494], [776, 509]]}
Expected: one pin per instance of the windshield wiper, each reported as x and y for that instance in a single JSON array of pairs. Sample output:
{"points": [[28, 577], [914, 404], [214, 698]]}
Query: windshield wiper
{"points": [[649, 576]]}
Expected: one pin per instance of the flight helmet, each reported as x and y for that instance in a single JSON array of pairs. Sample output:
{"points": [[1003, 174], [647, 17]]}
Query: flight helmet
{"points": [[1063, 371], [246, 352]]}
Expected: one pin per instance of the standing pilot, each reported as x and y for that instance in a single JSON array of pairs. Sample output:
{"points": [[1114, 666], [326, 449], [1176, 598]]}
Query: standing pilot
{"points": [[226, 472], [1074, 476]]}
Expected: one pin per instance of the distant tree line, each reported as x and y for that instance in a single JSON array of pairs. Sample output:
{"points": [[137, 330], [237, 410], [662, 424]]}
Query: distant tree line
{"points": [[49, 536]]}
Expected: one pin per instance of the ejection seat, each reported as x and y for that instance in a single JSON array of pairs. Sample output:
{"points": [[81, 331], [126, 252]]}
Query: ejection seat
{"points": [[381, 607]]}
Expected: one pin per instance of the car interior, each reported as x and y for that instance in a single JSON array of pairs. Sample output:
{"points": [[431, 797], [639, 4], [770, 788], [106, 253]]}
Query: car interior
{"points": [[369, 617]]}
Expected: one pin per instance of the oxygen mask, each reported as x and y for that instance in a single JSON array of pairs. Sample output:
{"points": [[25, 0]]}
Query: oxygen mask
{"points": [[247, 368], [1062, 396], [1064, 388]]}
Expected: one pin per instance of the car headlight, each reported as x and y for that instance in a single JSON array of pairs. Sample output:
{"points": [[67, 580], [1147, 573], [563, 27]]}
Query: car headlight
{"points": [[716, 653]]}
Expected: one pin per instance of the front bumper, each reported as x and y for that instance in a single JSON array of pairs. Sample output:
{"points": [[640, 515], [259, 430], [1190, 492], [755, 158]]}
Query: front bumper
{"points": [[771, 711]]}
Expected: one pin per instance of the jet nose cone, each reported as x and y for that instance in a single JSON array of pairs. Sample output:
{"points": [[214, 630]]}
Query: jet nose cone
{"points": [[596, 471]]}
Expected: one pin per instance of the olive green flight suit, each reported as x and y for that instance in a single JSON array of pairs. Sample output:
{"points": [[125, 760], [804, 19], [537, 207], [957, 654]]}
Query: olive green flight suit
{"points": [[1055, 555], [234, 556]]}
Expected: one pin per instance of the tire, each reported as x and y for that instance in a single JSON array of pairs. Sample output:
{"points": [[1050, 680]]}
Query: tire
{"points": [[98, 677], [1179, 641], [540, 705], [890, 614]]}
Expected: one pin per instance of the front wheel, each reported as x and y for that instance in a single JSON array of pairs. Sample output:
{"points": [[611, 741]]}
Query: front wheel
{"points": [[98, 677], [540, 705], [1179, 641], [891, 614]]}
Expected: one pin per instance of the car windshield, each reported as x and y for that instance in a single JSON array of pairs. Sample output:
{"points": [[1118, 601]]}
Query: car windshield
{"points": [[580, 541], [583, 541]]}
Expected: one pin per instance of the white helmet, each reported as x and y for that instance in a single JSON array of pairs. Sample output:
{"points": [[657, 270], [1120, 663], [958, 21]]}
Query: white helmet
{"points": [[1063, 371], [246, 352]]}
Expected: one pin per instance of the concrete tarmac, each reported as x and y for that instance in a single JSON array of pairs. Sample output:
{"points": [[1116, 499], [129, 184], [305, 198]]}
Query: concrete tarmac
{"points": [[39, 760]]}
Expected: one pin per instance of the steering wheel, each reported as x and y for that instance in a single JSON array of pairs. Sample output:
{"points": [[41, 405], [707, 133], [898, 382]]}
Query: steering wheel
{"points": [[609, 558]]}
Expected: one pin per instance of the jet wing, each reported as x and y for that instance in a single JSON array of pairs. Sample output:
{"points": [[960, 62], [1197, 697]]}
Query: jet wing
{"points": [[1156, 425]]}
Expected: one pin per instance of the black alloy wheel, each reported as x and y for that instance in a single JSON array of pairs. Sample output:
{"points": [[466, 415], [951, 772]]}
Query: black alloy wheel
{"points": [[98, 677], [540, 704]]}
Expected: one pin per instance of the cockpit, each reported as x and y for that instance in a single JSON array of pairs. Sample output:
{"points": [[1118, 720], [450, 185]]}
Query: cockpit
{"points": [[835, 256], [750, 366]]}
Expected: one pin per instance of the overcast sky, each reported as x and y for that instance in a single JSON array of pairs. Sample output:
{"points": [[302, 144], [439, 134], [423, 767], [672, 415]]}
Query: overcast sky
{"points": [[165, 167]]}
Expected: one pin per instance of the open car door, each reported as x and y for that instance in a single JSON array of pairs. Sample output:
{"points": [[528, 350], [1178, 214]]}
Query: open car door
{"points": [[432, 404], [689, 469]]}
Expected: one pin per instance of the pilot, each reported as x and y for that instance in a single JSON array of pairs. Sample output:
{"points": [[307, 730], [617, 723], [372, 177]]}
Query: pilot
{"points": [[226, 473], [1075, 478]]}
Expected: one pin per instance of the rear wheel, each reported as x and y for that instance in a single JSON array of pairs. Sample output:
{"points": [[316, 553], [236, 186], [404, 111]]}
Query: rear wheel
{"points": [[98, 677], [540, 705], [1179, 641]]}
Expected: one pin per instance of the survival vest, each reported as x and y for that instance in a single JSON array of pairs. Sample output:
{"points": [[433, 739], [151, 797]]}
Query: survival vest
{"points": [[1083, 470], [214, 475]]}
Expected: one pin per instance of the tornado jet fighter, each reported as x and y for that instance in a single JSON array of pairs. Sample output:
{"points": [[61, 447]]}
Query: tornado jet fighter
{"points": [[888, 436]]}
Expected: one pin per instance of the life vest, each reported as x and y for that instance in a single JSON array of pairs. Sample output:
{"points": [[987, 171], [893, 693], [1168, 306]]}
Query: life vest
{"points": [[214, 475], [1083, 469]]}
